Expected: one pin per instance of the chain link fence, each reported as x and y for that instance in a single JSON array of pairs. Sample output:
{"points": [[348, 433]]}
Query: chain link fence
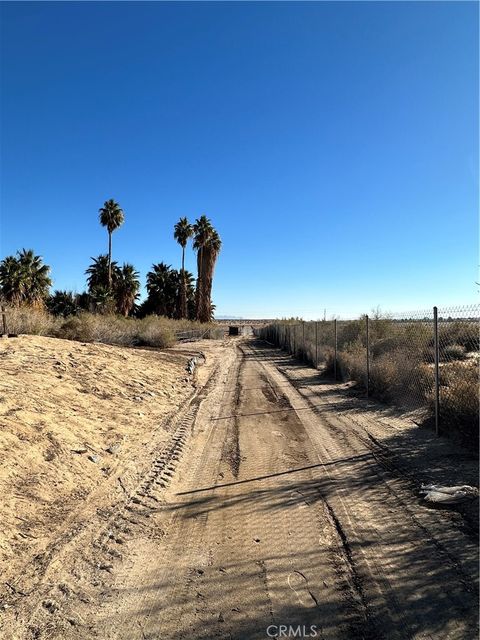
{"points": [[426, 361]]}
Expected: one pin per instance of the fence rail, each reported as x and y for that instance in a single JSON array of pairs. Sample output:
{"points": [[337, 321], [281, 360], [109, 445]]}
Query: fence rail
{"points": [[199, 334], [424, 360]]}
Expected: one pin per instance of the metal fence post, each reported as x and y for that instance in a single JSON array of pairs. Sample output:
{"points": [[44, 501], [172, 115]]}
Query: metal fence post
{"points": [[437, 373], [368, 355], [335, 345], [316, 345]]}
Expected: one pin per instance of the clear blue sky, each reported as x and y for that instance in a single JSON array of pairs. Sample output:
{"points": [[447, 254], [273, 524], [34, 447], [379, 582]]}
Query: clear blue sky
{"points": [[333, 145]]}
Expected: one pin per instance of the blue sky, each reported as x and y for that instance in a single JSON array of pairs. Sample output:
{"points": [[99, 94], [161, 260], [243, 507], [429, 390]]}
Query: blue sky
{"points": [[333, 145]]}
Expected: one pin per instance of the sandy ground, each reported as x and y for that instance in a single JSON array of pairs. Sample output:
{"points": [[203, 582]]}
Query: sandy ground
{"points": [[76, 421], [276, 499]]}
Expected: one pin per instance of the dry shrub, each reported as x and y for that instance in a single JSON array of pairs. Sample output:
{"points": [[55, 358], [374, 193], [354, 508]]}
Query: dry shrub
{"points": [[384, 377], [88, 327], [111, 329], [453, 352], [387, 345], [352, 363], [401, 376], [351, 332], [459, 332], [30, 320], [77, 328], [154, 332], [459, 406]]}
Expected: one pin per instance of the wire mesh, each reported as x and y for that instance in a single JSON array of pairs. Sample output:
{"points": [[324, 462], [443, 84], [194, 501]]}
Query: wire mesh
{"points": [[458, 347], [402, 359]]}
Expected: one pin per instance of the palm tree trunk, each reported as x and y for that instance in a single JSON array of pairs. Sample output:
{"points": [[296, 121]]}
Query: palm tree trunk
{"points": [[183, 301], [109, 259], [198, 292], [203, 313], [209, 261]]}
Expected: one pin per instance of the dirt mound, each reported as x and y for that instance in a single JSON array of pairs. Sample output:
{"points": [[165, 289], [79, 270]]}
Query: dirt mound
{"points": [[73, 417]]}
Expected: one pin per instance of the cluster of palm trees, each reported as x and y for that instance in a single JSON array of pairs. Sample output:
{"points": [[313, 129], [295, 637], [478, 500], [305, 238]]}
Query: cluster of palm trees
{"points": [[25, 280], [207, 244]]}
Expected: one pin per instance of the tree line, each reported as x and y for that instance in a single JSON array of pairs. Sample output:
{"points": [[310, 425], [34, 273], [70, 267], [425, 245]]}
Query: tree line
{"points": [[111, 288]]}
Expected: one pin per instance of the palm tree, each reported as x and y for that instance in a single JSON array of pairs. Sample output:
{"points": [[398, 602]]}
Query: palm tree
{"points": [[162, 288], [127, 288], [63, 303], [207, 244], [211, 250], [202, 230], [11, 280], [112, 217], [84, 301], [102, 300], [102, 297], [98, 272], [190, 288], [182, 232], [24, 279]]}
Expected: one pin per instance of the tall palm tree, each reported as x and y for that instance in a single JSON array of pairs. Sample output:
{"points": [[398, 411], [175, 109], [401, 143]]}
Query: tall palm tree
{"points": [[202, 230], [112, 217], [211, 250], [24, 279], [127, 289], [182, 232]]}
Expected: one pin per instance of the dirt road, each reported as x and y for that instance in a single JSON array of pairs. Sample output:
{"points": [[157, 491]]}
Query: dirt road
{"points": [[282, 507]]}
